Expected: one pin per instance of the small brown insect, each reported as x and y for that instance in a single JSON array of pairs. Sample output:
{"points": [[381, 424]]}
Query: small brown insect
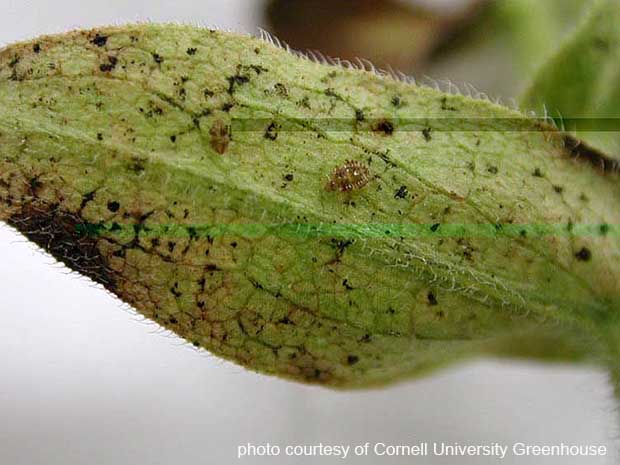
{"points": [[352, 175], [220, 136]]}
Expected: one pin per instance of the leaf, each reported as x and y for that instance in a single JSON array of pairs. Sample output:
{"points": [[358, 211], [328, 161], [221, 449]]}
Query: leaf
{"points": [[315, 222], [580, 85], [506, 42], [533, 28]]}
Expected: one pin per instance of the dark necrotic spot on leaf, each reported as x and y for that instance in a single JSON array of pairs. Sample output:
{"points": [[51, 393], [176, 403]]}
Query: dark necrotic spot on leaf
{"points": [[396, 101], [175, 291], [236, 80], [584, 255], [99, 40], [66, 237], [384, 126], [445, 106], [110, 65], [113, 206], [281, 89], [272, 131], [401, 193]]}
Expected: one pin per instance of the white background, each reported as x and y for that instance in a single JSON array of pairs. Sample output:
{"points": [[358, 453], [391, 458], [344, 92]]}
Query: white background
{"points": [[83, 380]]}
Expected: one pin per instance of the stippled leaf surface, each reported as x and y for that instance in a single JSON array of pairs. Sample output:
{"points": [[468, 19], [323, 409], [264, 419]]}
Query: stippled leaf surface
{"points": [[192, 173], [582, 81]]}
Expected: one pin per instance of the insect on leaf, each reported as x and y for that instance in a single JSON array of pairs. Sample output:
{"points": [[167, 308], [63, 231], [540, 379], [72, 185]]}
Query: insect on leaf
{"points": [[187, 171]]}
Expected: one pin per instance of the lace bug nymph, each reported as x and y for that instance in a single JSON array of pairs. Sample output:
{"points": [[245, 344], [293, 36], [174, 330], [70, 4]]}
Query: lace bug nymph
{"points": [[351, 176]]}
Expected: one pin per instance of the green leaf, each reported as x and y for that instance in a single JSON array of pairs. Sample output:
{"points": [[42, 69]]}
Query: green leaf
{"points": [[506, 42], [580, 85], [532, 28], [315, 222]]}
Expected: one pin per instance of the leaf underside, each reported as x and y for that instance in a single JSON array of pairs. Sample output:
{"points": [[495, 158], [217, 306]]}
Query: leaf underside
{"points": [[187, 154]]}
